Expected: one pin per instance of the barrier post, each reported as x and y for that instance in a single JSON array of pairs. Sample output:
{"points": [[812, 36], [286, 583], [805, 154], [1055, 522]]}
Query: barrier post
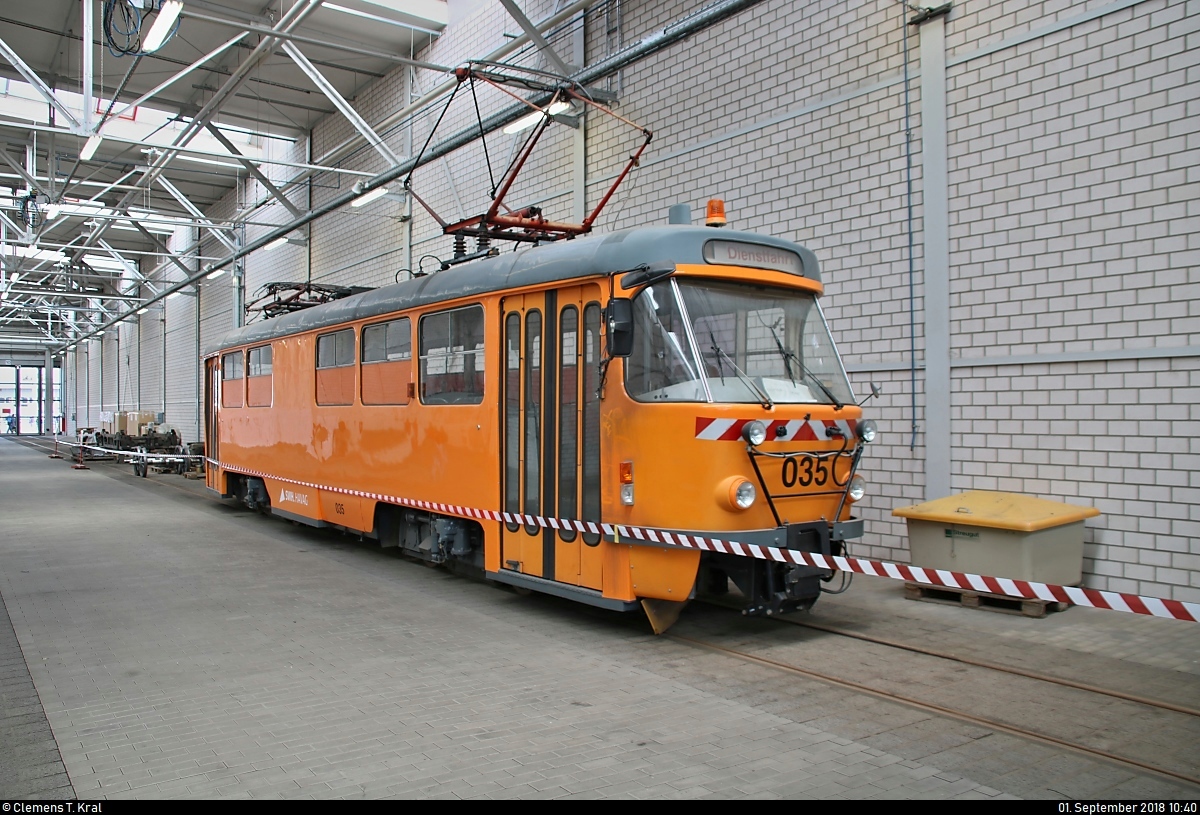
{"points": [[79, 465]]}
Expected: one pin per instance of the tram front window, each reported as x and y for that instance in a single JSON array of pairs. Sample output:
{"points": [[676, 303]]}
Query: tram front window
{"points": [[700, 341]]}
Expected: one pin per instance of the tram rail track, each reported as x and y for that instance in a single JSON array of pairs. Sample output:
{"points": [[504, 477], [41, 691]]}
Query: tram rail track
{"points": [[947, 710], [996, 666], [997, 725]]}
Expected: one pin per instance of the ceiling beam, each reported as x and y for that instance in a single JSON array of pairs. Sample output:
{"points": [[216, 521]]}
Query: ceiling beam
{"points": [[73, 293], [216, 52], [253, 169], [360, 124], [167, 253], [350, 144], [197, 215], [30, 181], [26, 126], [531, 31], [36, 81], [293, 37]]}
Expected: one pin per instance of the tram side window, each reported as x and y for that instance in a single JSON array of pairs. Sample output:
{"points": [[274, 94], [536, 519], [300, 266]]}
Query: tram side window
{"points": [[387, 362], [335, 368], [258, 376], [231, 380], [452, 357], [590, 491]]}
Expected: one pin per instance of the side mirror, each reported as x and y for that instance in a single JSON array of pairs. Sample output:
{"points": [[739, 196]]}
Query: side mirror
{"points": [[619, 317], [875, 391]]}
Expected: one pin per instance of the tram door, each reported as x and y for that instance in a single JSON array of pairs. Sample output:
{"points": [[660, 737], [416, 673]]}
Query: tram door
{"points": [[551, 433], [212, 397]]}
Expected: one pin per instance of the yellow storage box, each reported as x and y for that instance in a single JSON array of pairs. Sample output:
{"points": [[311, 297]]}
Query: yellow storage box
{"points": [[1000, 534]]}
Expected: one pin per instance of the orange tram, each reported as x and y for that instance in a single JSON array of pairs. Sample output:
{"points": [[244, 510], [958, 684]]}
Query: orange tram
{"points": [[523, 415]]}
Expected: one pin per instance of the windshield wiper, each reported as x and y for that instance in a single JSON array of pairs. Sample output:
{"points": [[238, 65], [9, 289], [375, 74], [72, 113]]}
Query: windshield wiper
{"points": [[789, 356], [763, 398], [837, 403], [720, 364]]}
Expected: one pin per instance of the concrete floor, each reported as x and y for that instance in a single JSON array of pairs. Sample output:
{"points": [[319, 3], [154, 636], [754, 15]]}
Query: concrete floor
{"points": [[166, 645]]}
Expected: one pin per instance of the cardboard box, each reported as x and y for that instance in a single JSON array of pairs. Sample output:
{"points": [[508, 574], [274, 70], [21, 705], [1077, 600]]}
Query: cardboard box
{"points": [[138, 419]]}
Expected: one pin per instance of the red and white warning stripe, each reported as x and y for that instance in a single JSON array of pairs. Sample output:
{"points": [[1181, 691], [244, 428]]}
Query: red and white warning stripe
{"points": [[708, 429], [1027, 590], [133, 453]]}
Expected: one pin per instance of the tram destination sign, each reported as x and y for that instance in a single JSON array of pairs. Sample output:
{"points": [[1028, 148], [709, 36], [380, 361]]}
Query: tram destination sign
{"points": [[736, 253]]}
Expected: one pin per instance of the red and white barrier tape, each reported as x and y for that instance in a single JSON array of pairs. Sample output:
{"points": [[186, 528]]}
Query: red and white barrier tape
{"points": [[134, 453], [1026, 590]]}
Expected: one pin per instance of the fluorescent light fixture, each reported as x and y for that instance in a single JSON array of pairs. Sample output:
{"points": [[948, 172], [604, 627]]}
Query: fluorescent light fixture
{"points": [[159, 230], [526, 122], [89, 147], [275, 244], [141, 310], [367, 198], [214, 275], [167, 15], [52, 211], [214, 162], [391, 6], [172, 295]]}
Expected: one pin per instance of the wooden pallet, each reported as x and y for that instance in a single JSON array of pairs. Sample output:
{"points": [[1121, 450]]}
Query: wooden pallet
{"points": [[975, 599]]}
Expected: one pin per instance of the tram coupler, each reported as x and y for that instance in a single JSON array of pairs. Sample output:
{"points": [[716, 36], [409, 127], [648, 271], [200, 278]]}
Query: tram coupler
{"points": [[772, 588]]}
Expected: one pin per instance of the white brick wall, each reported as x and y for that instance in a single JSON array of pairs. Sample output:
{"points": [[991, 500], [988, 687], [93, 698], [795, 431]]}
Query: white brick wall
{"points": [[1074, 172]]}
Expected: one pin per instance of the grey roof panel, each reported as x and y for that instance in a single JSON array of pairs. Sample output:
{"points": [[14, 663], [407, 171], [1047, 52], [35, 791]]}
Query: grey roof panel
{"points": [[552, 263]]}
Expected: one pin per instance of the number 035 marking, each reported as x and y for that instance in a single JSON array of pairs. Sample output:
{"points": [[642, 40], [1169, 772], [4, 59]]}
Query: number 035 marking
{"points": [[805, 471]]}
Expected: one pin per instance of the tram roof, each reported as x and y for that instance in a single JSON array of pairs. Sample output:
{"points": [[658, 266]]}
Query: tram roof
{"points": [[552, 263]]}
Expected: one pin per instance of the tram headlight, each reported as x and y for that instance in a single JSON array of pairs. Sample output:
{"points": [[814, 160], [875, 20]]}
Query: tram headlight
{"points": [[867, 431], [744, 495], [754, 432], [736, 493], [857, 488]]}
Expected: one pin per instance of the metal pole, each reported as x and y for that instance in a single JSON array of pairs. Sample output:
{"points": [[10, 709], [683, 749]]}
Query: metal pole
{"points": [[164, 362], [196, 358], [579, 139], [48, 394], [239, 295], [935, 204], [88, 26]]}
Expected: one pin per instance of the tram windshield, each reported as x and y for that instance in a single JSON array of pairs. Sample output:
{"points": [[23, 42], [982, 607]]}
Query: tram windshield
{"points": [[714, 341]]}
